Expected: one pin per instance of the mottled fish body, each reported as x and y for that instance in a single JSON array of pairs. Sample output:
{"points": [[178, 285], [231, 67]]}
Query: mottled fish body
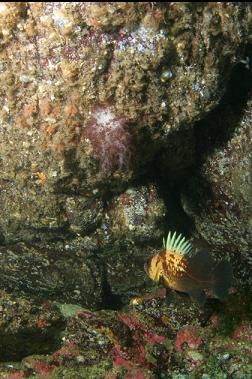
{"points": [[176, 267]]}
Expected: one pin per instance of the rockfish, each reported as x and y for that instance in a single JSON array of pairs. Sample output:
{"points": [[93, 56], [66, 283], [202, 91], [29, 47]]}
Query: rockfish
{"points": [[178, 268]]}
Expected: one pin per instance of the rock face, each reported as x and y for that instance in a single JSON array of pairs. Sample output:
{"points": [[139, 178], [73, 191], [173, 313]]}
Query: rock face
{"points": [[219, 197], [91, 95], [28, 327], [150, 339], [91, 91], [133, 226], [119, 121], [53, 271], [80, 269]]}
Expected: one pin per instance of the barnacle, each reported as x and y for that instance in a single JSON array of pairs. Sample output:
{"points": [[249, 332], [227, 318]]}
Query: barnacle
{"points": [[177, 244]]}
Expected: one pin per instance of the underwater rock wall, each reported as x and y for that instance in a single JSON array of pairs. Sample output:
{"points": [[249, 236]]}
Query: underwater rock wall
{"points": [[150, 339], [91, 95], [218, 196], [118, 122]]}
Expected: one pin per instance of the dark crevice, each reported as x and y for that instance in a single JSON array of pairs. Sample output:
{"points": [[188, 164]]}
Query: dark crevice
{"points": [[219, 125], [110, 300], [212, 132], [215, 131]]}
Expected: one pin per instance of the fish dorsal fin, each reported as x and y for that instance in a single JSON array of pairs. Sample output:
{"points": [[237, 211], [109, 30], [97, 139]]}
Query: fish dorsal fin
{"points": [[177, 244]]}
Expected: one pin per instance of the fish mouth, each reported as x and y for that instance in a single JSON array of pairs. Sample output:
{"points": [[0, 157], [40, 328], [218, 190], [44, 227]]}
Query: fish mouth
{"points": [[146, 268]]}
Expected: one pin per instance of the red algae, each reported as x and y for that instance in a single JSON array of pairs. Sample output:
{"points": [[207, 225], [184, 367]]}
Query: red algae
{"points": [[16, 375], [243, 333], [188, 336], [136, 355], [133, 323], [42, 368], [67, 351]]}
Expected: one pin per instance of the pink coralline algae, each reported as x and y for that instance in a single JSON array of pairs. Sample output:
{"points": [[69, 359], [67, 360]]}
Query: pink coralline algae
{"points": [[66, 352], [188, 336], [243, 333], [111, 140], [42, 368], [135, 359], [16, 375]]}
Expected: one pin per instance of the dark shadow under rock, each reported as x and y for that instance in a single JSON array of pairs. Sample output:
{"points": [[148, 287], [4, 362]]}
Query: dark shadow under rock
{"points": [[28, 327], [58, 271]]}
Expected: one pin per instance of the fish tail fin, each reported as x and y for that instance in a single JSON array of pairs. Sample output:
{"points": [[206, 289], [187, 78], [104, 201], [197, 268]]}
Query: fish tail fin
{"points": [[222, 279]]}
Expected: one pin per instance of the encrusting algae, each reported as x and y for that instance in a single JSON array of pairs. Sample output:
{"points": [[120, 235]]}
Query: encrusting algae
{"points": [[178, 268]]}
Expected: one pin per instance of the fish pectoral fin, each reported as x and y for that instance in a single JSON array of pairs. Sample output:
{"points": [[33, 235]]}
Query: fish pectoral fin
{"points": [[161, 281], [198, 295]]}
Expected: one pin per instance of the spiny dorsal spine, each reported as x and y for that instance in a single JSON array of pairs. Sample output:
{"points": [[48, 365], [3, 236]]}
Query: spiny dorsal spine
{"points": [[177, 244]]}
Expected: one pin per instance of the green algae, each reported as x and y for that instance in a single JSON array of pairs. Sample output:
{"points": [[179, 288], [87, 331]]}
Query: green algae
{"points": [[68, 310]]}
